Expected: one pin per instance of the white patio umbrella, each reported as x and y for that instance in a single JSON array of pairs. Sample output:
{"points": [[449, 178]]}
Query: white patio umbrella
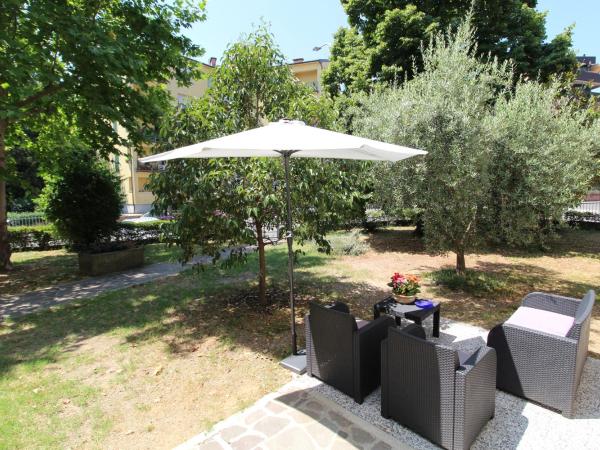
{"points": [[290, 139]]}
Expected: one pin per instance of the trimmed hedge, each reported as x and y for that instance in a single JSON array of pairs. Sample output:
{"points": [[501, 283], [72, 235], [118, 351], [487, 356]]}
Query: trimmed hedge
{"points": [[39, 237], [583, 219], [45, 237]]}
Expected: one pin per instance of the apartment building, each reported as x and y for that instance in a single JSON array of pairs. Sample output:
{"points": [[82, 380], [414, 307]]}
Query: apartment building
{"points": [[135, 175]]}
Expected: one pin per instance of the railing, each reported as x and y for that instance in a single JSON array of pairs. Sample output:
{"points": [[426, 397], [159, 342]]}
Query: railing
{"points": [[592, 207], [28, 220], [150, 167], [585, 214]]}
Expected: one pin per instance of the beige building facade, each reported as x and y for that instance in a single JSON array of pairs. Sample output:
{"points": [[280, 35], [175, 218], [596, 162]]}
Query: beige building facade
{"points": [[135, 175]]}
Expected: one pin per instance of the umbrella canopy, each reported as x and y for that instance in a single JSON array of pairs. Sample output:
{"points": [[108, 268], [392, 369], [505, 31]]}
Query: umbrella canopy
{"points": [[290, 136], [290, 139]]}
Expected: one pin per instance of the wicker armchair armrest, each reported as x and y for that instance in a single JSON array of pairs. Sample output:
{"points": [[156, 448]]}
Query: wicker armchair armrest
{"points": [[481, 354], [475, 396], [551, 302], [340, 306], [415, 330], [367, 355]]}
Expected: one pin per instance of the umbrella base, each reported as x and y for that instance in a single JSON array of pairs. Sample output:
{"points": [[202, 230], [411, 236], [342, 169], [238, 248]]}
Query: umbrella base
{"points": [[295, 363]]}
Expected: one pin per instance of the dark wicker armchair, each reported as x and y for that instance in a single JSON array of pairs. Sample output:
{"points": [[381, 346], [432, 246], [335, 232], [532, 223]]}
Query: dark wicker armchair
{"points": [[542, 349], [444, 395], [344, 352]]}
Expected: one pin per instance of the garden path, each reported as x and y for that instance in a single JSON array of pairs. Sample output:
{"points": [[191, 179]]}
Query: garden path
{"points": [[29, 302]]}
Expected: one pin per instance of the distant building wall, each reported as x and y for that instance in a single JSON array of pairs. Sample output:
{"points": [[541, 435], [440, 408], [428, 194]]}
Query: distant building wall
{"points": [[135, 176]]}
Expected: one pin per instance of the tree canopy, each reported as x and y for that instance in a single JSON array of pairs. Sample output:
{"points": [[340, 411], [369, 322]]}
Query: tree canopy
{"points": [[96, 62], [384, 38], [503, 163], [228, 202]]}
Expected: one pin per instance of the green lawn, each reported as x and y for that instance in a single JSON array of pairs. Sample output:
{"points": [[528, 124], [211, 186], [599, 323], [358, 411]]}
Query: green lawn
{"points": [[152, 365], [52, 386]]}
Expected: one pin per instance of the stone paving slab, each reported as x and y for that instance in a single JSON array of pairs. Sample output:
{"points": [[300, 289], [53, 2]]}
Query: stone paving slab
{"points": [[29, 302], [294, 418]]}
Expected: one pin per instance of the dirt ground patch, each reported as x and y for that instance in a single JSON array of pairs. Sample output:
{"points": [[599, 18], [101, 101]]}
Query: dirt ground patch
{"points": [[158, 400]]}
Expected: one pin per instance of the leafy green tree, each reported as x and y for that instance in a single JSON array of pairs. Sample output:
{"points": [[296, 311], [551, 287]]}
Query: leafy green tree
{"points": [[542, 147], [84, 201], [26, 183], [442, 110], [349, 68], [227, 202], [385, 36], [504, 162], [99, 62]]}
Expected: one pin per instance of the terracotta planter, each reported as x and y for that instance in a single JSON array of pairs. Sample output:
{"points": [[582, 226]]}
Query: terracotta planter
{"points": [[404, 299], [101, 263]]}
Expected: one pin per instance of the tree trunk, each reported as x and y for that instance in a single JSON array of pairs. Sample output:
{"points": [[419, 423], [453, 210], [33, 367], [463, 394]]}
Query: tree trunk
{"points": [[460, 262], [5, 263], [262, 265]]}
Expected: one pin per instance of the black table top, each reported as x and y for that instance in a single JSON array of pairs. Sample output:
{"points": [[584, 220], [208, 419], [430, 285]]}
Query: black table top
{"points": [[407, 310]]}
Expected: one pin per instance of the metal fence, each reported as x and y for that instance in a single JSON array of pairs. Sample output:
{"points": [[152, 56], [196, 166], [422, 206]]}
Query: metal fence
{"points": [[27, 220], [591, 207]]}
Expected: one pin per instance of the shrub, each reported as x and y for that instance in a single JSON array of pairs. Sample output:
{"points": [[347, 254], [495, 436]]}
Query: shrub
{"points": [[84, 202], [583, 219], [349, 244], [476, 283], [143, 232], [45, 237], [41, 237]]}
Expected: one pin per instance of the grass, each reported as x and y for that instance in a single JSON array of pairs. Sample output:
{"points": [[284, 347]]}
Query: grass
{"points": [[65, 371], [154, 364], [477, 283], [36, 270]]}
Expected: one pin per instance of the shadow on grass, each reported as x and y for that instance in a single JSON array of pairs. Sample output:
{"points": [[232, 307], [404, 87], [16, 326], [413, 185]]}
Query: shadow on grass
{"points": [[181, 311], [490, 293], [394, 239], [569, 243], [34, 273]]}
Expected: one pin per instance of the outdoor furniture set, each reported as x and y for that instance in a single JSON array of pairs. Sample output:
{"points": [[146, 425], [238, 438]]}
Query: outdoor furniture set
{"points": [[444, 394]]}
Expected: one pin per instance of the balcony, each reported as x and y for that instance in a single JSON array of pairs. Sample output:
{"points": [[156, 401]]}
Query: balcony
{"points": [[151, 167]]}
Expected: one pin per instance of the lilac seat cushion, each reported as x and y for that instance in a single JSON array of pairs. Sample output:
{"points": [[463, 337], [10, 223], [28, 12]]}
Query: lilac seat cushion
{"points": [[540, 320]]}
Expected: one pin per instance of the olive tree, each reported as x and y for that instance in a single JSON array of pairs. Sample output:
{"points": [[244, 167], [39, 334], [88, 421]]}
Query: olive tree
{"points": [[505, 159], [228, 202], [541, 146], [442, 110]]}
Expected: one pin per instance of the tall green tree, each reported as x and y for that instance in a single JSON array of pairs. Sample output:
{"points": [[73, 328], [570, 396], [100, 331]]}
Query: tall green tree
{"points": [[99, 62], [227, 202], [541, 146], [505, 161], [441, 110], [391, 33]]}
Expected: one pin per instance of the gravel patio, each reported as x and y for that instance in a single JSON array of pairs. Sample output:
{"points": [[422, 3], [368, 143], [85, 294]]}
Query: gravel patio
{"points": [[306, 414]]}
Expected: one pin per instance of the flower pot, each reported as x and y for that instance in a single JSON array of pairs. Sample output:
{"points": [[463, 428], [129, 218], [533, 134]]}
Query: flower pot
{"points": [[404, 299]]}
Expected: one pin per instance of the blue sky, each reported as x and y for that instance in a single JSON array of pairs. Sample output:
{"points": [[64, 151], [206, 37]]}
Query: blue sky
{"points": [[299, 26]]}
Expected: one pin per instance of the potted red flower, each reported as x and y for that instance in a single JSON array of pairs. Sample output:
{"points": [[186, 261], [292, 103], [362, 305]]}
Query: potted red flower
{"points": [[404, 287]]}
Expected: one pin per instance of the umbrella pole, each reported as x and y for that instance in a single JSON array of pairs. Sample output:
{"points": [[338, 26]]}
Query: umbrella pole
{"points": [[290, 244]]}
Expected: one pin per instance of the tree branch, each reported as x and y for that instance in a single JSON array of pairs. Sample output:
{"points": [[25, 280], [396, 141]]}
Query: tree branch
{"points": [[48, 90]]}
